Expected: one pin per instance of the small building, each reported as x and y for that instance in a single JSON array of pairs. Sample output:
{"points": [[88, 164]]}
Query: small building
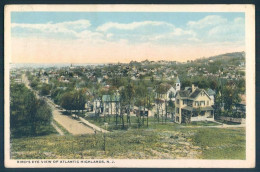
{"points": [[193, 105]]}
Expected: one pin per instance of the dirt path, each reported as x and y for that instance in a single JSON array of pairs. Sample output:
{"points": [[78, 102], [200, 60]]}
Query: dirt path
{"points": [[71, 125]]}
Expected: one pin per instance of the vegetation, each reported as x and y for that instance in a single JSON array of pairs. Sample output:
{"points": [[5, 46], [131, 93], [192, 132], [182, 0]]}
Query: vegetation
{"points": [[61, 127], [29, 116], [138, 84], [74, 100], [162, 142]]}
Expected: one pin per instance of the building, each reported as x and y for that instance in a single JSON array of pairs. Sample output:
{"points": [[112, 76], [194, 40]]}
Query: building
{"points": [[193, 105], [110, 104]]}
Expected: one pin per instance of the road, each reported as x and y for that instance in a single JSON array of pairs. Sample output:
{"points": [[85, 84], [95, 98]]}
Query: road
{"points": [[71, 125]]}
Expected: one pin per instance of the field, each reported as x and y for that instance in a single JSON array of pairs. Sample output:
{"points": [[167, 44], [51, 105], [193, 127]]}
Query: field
{"points": [[158, 141]]}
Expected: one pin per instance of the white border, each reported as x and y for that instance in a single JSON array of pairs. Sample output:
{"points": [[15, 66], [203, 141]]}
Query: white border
{"points": [[250, 83]]}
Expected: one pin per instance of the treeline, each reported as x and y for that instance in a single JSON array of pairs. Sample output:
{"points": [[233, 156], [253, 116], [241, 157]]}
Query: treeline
{"points": [[29, 116]]}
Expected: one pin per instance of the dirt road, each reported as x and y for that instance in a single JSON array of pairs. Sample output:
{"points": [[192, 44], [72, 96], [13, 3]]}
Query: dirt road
{"points": [[71, 125]]}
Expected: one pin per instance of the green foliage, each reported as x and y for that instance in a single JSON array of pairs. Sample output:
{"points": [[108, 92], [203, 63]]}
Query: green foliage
{"points": [[28, 114], [230, 96], [73, 100], [45, 89]]}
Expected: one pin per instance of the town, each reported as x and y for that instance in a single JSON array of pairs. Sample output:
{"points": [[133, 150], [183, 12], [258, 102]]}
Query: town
{"points": [[100, 99]]}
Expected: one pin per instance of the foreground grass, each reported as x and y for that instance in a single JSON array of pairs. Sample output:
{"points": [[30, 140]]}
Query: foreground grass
{"points": [[221, 143], [158, 141]]}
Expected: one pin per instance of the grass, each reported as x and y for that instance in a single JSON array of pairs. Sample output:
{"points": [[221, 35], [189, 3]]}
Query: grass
{"points": [[133, 119], [61, 127], [221, 143], [228, 122], [158, 141], [202, 123]]}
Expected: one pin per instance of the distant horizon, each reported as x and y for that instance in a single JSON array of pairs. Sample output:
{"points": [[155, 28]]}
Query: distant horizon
{"points": [[60, 63]]}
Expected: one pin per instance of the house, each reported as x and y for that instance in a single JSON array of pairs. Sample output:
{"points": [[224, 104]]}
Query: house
{"points": [[110, 104], [193, 105]]}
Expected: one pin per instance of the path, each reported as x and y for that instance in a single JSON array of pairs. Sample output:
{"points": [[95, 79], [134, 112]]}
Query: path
{"points": [[71, 125], [93, 126], [57, 129]]}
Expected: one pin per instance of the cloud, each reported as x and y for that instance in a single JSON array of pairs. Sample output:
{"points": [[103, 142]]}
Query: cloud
{"points": [[230, 31], [68, 28], [208, 21], [112, 41], [131, 26]]}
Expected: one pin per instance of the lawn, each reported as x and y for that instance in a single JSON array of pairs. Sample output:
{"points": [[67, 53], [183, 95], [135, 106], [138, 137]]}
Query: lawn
{"points": [[158, 141], [202, 123], [133, 119]]}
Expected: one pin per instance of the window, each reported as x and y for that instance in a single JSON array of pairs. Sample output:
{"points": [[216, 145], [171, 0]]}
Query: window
{"points": [[207, 102], [202, 103], [177, 110], [178, 101], [196, 103]]}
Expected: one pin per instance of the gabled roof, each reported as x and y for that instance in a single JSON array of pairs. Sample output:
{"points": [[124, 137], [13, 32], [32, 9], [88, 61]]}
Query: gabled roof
{"points": [[187, 93], [195, 93], [184, 93]]}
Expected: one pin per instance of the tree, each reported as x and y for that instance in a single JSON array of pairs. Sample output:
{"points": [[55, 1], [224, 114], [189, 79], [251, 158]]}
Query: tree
{"points": [[230, 96], [28, 113], [127, 96], [74, 100], [34, 84], [67, 101], [161, 91], [45, 89]]}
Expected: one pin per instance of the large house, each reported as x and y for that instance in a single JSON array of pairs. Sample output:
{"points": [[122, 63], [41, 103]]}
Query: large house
{"points": [[193, 104], [107, 105]]}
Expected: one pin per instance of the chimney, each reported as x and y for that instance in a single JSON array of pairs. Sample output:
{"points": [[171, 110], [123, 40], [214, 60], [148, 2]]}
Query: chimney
{"points": [[192, 88]]}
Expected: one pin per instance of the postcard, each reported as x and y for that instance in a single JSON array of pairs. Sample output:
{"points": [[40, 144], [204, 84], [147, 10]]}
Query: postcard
{"points": [[147, 86]]}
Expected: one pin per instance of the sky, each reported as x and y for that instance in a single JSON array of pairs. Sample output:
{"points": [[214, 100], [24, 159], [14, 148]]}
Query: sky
{"points": [[111, 37]]}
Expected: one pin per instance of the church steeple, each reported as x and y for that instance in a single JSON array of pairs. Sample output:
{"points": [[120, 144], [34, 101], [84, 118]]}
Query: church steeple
{"points": [[178, 84]]}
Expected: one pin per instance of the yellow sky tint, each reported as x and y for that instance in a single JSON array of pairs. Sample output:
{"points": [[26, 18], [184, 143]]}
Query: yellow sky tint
{"points": [[34, 50]]}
